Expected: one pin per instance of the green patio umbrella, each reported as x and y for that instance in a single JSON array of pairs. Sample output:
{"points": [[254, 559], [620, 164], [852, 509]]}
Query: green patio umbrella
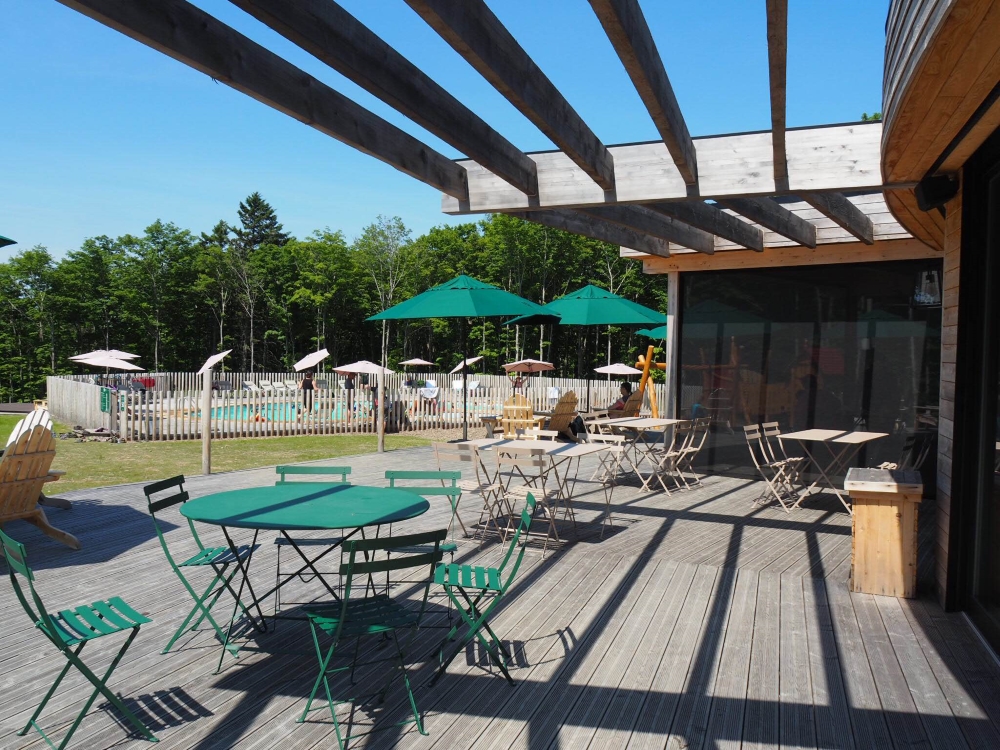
{"points": [[592, 306], [4, 241], [462, 297]]}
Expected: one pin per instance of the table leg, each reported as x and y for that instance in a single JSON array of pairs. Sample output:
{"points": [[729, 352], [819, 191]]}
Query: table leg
{"points": [[244, 567]]}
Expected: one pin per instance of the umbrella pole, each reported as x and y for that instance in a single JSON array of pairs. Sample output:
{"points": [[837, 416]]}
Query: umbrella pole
{"points": [[380, 419], [465, 384]]}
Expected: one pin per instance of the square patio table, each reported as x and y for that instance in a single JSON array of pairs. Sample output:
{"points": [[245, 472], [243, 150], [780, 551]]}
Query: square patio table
{"points": [[842, 447]]}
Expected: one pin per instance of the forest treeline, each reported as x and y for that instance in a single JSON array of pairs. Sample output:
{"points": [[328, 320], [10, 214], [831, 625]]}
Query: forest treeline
{"points": [[174, 297]]}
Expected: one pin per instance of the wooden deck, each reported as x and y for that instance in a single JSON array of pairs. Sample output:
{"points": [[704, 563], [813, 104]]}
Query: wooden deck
{"points": [[701, 621]]}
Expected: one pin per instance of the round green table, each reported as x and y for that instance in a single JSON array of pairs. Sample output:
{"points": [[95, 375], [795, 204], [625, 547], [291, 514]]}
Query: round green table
{"points": [[299, 506], [306, 506]]}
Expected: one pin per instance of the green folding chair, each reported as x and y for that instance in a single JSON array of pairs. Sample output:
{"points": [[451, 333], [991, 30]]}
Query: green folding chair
{"points": [[355, 617], [316, 474], [448, 487], [474, 585], [217, 559], [70, 631]]}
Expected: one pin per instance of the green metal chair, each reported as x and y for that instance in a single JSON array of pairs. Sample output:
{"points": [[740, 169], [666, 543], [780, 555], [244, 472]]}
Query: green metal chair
{"points": [[70, 631], [218, 559], [355, 617], [474, 585], [448, 488], [282, 540]]}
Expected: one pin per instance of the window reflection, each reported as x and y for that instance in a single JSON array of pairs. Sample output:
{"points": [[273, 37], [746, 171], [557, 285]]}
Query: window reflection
{"points": [[834, 347]]}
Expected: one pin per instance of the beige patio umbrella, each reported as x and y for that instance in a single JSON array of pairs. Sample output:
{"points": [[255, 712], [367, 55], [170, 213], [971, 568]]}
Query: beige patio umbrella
{"points": [[116, 353], [311, 360], [107, 362]]}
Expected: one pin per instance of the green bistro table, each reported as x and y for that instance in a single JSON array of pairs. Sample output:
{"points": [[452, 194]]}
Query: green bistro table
{"points": [[299, 506]]}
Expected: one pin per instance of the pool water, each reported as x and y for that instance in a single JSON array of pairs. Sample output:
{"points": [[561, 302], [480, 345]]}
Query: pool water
{"points": [[270, 412]]}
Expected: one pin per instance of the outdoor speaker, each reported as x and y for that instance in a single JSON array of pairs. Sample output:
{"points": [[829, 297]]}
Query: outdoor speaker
{"points": [[934, 192]]}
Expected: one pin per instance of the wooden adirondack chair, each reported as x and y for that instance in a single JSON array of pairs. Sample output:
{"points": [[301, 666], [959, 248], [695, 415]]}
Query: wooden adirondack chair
{"points": [[631, 408], [562, 415], [24, 469], [518, 415], [40, 417]]}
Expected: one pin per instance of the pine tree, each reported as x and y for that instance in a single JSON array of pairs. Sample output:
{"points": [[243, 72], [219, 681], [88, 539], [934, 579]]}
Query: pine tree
{"points": [[258, 224]]}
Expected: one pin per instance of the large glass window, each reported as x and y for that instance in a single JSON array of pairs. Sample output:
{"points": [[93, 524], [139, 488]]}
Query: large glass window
{"points": [[838, 346]]}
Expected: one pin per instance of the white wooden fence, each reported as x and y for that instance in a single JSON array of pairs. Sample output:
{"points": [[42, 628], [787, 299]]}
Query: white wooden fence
{"points": [[160, 414]]}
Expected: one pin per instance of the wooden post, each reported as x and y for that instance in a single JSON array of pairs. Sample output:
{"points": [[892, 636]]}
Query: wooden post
{"points": [[380, 420], [206, 423]]}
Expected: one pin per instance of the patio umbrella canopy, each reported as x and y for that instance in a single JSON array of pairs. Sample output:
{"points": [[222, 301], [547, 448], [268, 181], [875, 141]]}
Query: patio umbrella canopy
{"points": [[311, 360], [618, 369], [4, 241], [462, 297], [416, 362], [116, 353], [113, 363], [363, 366], [529, 365], [463, 364]]}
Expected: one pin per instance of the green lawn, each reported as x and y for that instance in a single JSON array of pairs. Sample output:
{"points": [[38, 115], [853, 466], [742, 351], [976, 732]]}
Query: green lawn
{"points": [[103, 464]]}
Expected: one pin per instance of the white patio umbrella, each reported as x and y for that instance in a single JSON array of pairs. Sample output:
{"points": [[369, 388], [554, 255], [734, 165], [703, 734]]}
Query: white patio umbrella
{"points": [[108, 362], [311, 360], [464, 363], [617, 369], [417, 362], [363, 366], [116, 353], [371, 368]]}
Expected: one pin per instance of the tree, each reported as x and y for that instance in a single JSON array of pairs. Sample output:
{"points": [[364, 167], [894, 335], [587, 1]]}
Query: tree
{"points": [[381, 252], [258, 224], [213, 280]]}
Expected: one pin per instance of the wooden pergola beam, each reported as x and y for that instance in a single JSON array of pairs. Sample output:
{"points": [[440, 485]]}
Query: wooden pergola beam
{"points": [[829, 158], [188, 34], [590, 226], [656, 224], [714, 220], [771, 214], [837, 207], [626, 27], [331, 34], [470, 27], [777, 68]]}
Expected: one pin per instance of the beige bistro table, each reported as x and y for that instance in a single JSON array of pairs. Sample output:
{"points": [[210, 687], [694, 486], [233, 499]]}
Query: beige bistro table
{"points": [[635, 430], [841, 448]]}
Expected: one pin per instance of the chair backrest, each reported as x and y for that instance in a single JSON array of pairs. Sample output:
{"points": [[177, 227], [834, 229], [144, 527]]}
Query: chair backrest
{"points": [[770, 432], [460, 453], [517, 415], [631, 408], [265, 384], [609, 440], [39, 417], [522, 530], [277, 385], [563, 413], [249, 385], [291, 384], [535, 434], [448, 482], [24, 469], [755, 438], [363, 561], [17, 565], [700, 429], [916, 448], [178, 496], [528, 464], [430, 384], [311, 471]]}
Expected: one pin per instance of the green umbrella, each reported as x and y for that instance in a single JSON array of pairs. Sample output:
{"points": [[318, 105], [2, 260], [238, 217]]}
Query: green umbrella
{"points": [[4, 241], [462, 297], [592, 306]]}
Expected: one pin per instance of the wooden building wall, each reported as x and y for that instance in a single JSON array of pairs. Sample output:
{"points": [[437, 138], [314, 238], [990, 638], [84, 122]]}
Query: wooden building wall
{"points": [[946, 421]]}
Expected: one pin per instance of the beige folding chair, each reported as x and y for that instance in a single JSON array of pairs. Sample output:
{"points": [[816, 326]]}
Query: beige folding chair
{"points": [[794, 465], [527, 472], [670, 458], [534, 434], [24, 470], [609, 461], [685, 464], [774, 473], [467, 456]]}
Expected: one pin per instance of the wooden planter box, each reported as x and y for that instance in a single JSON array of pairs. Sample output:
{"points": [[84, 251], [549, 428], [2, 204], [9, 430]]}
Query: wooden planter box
{"points": [[884, 550]]}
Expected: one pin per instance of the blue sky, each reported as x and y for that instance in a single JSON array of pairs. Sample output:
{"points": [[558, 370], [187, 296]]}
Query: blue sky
{"points": [[102, 135]]}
